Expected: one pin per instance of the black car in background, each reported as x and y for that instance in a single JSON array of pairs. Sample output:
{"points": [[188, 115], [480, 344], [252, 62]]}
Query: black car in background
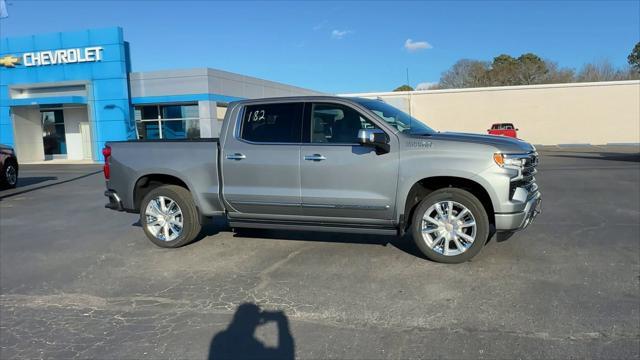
{"points": [[9, 166]]}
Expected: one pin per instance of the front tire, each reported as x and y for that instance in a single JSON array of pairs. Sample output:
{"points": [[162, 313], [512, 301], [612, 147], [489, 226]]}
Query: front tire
{"points": [[169, 216], [450, 226]]}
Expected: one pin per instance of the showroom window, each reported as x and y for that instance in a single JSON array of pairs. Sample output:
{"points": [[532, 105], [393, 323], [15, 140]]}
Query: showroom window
{"points": [[175, 121]]}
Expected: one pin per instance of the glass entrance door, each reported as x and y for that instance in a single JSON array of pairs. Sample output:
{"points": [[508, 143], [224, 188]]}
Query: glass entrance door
{"points": [[53, 136]]}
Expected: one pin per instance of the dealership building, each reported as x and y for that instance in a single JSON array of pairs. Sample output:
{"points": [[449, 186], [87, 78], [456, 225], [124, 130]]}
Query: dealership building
{"points": [[64, 94]]}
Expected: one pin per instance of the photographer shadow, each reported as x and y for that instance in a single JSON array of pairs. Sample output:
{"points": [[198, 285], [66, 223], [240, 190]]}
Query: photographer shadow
{"points": [[238, 340]]}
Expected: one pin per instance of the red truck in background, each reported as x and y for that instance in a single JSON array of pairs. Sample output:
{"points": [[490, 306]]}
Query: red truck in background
{"points": [[503, 129]]}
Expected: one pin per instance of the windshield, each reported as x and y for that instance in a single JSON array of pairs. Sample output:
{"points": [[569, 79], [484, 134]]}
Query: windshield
{"points": [[396, 118]]}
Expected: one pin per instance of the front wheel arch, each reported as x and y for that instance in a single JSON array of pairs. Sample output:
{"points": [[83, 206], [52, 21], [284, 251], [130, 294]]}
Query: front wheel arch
{"points": [[426, 186]]}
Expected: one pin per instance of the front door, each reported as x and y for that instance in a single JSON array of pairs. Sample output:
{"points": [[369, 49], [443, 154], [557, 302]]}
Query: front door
{"points": [[261, 162], [342, 180], [53, 134]]}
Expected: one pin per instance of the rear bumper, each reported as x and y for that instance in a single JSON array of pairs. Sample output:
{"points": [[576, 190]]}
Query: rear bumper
{"points": [[520, 220], [114, 201]]}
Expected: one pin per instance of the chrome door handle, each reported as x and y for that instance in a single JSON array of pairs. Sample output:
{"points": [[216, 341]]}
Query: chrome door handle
{"points": [[315, 157], [236, 156]]}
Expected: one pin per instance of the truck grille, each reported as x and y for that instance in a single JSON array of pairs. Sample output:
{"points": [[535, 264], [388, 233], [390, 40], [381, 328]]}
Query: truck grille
{"points": [[528, 180]]}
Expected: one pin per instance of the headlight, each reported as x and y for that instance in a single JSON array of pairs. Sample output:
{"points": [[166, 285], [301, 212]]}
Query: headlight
{"points": [[505, 160]]}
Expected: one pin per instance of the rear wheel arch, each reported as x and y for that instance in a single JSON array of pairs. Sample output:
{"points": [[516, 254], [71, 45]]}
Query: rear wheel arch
{"points": [[426, 186], [147, 183]]}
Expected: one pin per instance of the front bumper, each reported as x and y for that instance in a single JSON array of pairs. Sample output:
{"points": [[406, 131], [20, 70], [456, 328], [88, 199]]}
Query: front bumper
{"points": [[114, 201], [520, 220]]}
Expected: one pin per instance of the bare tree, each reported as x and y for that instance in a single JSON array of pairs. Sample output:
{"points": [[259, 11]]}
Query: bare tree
{"points": [[464, 73], [631, 73], [556, 75], [599, 71]]}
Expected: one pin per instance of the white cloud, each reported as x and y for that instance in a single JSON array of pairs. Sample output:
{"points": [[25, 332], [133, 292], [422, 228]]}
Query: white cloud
{"points": [[412, 46], [339, 34], [425, 85]]}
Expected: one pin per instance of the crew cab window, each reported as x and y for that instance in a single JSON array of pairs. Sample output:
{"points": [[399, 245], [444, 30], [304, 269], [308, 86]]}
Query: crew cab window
{"points": [[334, 123], [272, 123]]}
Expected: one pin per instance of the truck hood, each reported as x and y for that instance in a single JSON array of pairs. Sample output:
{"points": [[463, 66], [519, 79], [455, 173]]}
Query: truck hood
{"points": [[502, 143]]}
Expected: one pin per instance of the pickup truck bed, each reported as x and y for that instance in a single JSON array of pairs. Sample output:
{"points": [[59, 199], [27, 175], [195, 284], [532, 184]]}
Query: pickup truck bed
{"points": [[194, 162]]}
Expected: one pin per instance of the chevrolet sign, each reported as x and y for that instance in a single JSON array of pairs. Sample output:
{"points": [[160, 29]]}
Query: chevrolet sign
{"points": [[64, 56]]}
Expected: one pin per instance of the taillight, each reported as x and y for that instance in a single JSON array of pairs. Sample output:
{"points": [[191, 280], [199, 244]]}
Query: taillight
{"points": [[106, 152]]}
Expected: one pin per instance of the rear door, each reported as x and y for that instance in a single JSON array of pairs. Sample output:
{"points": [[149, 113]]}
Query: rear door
{"points": [[342, 180], [261, 161]]}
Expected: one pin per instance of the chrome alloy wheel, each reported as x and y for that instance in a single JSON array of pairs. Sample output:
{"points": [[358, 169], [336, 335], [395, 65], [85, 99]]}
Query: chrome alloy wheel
{"points": [[164, 218], [11, 175], [448, 228]]}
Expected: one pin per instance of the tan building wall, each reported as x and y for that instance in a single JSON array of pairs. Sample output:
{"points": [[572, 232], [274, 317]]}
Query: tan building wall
{"points": [[580, 113]]}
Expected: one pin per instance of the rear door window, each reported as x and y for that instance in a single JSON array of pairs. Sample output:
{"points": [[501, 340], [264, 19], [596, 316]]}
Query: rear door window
{"points": [[272, 123]]}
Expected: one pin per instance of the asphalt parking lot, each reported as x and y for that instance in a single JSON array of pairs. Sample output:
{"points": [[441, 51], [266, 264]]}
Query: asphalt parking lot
{"points": [[78, 280]]}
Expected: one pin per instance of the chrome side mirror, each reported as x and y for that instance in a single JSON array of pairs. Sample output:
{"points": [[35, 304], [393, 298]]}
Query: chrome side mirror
{"points": [[375, 138]]}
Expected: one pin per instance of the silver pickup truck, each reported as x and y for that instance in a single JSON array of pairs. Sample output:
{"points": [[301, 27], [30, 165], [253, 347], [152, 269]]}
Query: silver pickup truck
{"points": [[326, 163]]}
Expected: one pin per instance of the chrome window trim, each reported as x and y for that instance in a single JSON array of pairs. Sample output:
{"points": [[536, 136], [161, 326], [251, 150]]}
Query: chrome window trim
{"points": [[237, 124]]}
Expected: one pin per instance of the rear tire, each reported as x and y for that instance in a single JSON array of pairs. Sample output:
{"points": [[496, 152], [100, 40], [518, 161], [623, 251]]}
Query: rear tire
{"points": [[9, 176], [456, 232], [169, 216]]}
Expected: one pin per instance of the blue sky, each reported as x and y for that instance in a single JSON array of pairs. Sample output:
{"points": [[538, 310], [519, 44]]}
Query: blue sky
{"points": [[343, 46]]}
